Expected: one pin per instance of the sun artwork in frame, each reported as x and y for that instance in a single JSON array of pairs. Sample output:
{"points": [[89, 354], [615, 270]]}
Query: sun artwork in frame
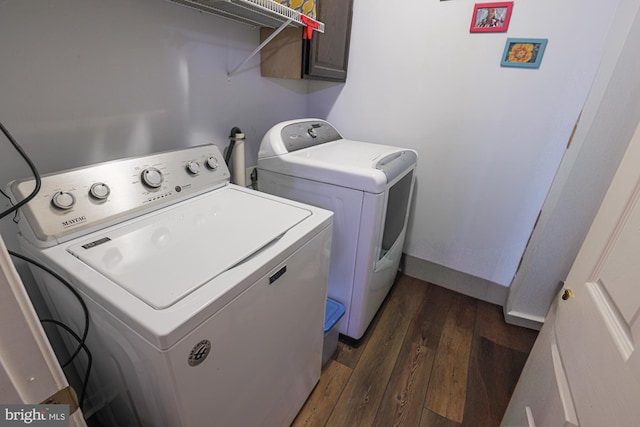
{"points": [[524, 53]]}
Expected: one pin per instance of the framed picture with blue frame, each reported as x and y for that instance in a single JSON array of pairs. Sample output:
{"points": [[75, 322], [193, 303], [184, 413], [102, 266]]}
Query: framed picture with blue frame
{"points": [[523, 53]]}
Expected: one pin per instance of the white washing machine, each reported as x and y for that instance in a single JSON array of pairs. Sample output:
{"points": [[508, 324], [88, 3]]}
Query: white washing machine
{"points": [[367, 186], [206, 300]]}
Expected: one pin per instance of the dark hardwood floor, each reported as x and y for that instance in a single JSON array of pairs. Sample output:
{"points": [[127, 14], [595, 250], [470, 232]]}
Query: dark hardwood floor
{"points": [[431, 357]]}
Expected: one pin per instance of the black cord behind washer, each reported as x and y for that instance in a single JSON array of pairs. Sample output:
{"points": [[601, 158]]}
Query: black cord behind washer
{"points": [[36, 175], [14, 208], [73, 291], [85, 382]]}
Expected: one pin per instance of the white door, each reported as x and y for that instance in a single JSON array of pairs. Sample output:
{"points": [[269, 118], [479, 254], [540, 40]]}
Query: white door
{"points": [[29, 370], [585, 366]]}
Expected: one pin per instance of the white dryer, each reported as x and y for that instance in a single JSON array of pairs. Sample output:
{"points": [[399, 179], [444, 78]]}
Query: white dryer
{"points": [[206, 300], [367, 186]]}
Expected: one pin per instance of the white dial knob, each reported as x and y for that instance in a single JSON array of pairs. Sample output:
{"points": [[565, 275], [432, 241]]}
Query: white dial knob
{"points": [[99, 191], [193, 168], [63, 200], [152, 177], [212, 163]]}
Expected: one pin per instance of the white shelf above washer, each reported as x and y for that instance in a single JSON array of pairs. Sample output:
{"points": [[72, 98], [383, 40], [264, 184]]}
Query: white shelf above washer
{"points": [[262, 13]]}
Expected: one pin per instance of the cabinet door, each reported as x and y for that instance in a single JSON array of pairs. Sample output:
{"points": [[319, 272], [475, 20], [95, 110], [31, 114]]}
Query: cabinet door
{"points": [[327, 54]]}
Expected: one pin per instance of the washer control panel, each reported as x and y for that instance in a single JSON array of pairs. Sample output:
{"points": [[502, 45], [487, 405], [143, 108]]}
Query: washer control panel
{"points": [[84, 199]]}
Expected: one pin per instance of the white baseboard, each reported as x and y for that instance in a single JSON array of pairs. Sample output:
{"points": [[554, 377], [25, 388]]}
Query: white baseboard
{"points": [[524, 320], [454, 280], [469, 285]]}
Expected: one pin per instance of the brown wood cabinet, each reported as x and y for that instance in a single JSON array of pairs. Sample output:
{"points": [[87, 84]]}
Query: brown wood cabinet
{"points": [[325, 57]]}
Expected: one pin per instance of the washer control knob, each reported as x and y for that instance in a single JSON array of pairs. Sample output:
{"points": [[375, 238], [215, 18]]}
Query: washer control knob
{"points": [[99, 191], [193, 168], [212, 163], [63, 200], [152, 177]]}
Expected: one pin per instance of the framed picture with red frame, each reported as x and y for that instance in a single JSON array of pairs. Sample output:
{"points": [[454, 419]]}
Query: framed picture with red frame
{"points": [[491, 17]]}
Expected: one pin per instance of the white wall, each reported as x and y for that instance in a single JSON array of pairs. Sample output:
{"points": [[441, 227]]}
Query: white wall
{"points": [[489, 138], [85, 81]]}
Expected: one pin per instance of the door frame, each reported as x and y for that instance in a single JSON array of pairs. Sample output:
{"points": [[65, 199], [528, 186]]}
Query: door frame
{"points": [[29, 370]]}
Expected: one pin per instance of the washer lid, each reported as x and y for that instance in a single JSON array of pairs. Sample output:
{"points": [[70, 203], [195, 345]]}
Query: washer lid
{"points": [[166, 255], [353, 164]]}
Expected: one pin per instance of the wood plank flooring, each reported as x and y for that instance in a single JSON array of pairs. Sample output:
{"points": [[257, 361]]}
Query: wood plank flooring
{"points": [[431, 357]]}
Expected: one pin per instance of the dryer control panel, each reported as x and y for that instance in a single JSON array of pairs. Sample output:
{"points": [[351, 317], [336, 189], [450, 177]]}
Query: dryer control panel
{"points": [[304, 134], [82, 200], [295, 135]]}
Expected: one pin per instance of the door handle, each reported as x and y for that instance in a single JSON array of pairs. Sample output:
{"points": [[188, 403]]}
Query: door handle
{"points": [[568, 293]]}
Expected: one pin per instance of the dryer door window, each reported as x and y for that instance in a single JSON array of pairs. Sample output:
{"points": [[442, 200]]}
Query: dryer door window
{"points": [[396, 213]]}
